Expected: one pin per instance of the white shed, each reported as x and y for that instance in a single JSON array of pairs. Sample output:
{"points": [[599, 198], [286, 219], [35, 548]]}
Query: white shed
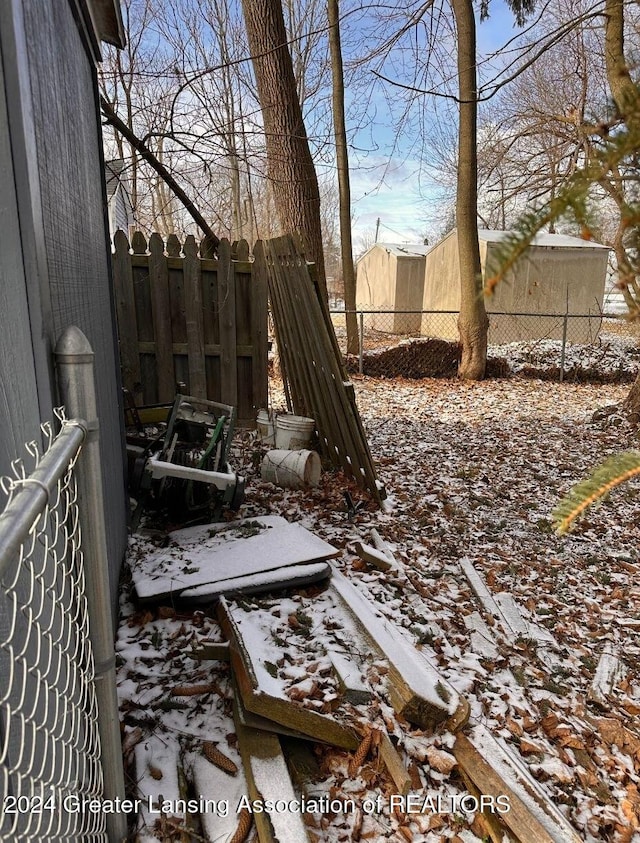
{"points": [[390, 276], [556, 272]]}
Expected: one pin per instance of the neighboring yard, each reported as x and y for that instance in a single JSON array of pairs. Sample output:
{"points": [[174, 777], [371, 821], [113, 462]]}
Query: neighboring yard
{"points": [[472, 472]]}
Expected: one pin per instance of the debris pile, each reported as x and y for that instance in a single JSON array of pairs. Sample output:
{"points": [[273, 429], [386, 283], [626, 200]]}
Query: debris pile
{"points": [[316, 678]]}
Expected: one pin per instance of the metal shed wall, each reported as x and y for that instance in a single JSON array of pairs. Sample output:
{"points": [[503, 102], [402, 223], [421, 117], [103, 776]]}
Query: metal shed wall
{"points": [[390, 280], [546, 280]]}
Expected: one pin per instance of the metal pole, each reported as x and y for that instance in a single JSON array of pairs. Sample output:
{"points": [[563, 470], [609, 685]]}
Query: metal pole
{"points": [[564, 338], [361, 343], [74, 361]]}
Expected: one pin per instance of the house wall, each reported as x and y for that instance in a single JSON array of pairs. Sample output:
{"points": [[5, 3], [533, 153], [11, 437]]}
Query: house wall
{"points": [[119, 212], [58, 259], [19, 406]]}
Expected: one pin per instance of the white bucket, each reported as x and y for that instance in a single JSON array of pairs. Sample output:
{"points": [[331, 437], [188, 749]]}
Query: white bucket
{"points": [[291, 469], [293, 432], [266, 427]]}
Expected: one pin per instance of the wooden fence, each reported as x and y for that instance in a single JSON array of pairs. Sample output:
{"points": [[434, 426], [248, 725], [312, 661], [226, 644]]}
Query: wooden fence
{"points": [[185, 316]]}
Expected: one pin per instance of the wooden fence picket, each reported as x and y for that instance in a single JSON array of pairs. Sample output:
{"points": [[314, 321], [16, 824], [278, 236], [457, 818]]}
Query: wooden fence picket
{"points": [[191, 317]]}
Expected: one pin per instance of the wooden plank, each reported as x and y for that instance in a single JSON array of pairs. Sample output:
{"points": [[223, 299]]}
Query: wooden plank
{"points": [[394, 764], [227, 322], [216, 787], [287, 333], [373, 556], [482, 641], [157, 759], [267, 778], [608, 673], [211, 650], [350, 681], [511, 622], [161, 312], [304, 770], [487, 599], [325, 374], [194, 319], [492, 827], [174, 261], [259, 334], [216, 558], [259, 701], [380, 544], [242, 251], [255, 721], [126, 315], [320, 390], [494, 770], [358, 459], [416, 689]]}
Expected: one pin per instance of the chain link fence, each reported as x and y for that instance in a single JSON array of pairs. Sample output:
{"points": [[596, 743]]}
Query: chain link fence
{"points": [[49, 742], [417, 344]]}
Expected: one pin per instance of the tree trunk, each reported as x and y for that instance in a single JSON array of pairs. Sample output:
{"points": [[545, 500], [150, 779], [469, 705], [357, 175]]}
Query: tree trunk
{"points": [[289, 163], [625, 97], [623, 91], [344, 187], [473, 323]]}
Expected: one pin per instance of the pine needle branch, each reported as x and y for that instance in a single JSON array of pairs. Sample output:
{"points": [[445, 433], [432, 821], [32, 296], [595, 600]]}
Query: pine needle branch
{"points": [[613, 472]]}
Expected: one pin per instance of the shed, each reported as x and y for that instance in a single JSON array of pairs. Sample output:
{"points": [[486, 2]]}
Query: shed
{"points": [[557, 273], [390, 276], [55, 255]]}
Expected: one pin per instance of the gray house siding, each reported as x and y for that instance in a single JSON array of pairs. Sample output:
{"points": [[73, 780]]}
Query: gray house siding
{"points": [[58, 262]]}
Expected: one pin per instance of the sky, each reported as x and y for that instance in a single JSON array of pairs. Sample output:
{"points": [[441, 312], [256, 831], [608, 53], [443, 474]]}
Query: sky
{"points": [[389, 186]]}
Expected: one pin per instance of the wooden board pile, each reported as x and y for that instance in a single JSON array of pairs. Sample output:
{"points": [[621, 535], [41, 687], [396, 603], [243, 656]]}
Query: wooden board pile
{"points": [[337, 712], [323, 667]]}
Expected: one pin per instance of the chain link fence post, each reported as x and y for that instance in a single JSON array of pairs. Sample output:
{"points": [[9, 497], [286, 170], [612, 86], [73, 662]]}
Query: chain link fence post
{"points": [[361, 343], [563, 352], [74, 361]]}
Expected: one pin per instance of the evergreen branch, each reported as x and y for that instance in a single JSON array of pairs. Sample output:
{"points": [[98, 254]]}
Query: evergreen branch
{"points": [[620, 148], [618, 469]]}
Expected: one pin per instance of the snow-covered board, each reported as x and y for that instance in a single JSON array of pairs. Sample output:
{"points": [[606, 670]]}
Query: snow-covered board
{"points": [[203, 562], [416, 689], [609, 672], [261, 691], [219, 795], [268, 782], [532, 816]]}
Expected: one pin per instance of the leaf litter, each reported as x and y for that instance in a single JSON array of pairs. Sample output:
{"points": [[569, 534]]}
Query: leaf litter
{"points": [[473, 472]]}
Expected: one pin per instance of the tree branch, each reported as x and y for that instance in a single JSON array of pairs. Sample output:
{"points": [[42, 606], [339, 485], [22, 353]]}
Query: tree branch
{"points": [[161, 170]]}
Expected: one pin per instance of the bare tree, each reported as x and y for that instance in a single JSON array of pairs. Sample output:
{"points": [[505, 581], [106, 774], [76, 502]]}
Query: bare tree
{"points": [[473, 323], [344, 186]]}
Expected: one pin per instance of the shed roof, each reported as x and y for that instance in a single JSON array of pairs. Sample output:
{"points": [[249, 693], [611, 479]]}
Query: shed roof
{"points": [[402, 250], [543, 238]]}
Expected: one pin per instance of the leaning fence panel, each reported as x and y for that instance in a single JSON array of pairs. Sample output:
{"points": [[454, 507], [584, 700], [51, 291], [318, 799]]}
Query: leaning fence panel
{"points": [[50, 770]]}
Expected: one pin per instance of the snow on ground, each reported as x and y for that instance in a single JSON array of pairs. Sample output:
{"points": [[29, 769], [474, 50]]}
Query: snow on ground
{"points": [[472, 472], [614, 355]]}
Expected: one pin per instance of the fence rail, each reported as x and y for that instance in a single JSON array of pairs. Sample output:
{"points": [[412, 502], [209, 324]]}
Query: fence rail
{"points": [[49, 737], [185, 316]]}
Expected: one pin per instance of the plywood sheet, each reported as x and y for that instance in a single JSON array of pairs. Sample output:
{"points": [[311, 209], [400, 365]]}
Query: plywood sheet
{"points": [[216, 553]]}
